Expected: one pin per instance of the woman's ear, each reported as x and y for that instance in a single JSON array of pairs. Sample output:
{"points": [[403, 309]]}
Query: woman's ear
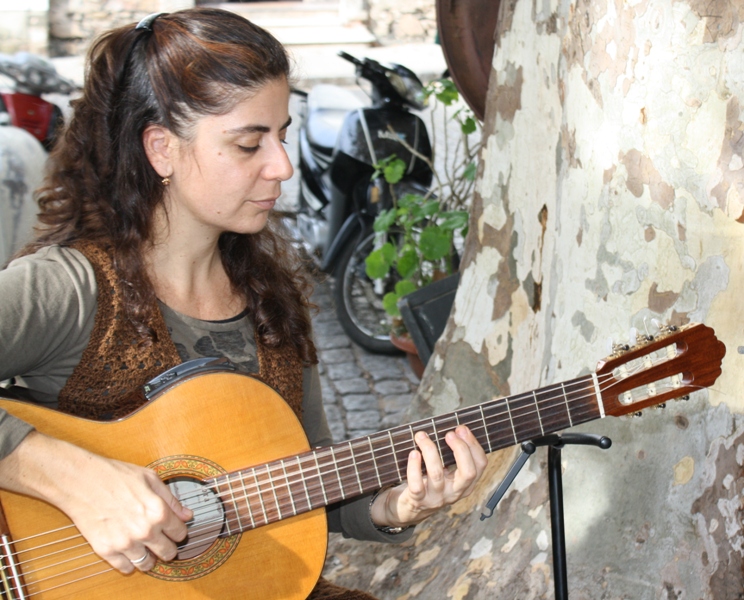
{"points": [[160, 144]]}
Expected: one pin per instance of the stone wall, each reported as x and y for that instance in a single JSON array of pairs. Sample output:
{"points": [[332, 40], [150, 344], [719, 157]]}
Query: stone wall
{"points": [[23, 28], [73, 24], [396, 21], [66, 27]]}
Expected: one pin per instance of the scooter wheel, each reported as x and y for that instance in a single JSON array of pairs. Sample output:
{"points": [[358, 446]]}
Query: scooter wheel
{"points": [[358, 301]]}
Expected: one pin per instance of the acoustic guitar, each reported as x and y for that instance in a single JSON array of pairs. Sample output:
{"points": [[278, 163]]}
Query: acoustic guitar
{"points": [[232, 450]]}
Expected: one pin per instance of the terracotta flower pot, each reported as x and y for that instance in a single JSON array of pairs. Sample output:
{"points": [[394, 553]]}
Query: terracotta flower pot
{"points": [[406, 344]]}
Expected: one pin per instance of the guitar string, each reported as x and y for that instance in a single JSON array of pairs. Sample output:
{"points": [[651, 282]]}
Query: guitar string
{"points": [[515, 398], [323, 452], [357, 457], [98, 561], [289, 482], [285, 505]]}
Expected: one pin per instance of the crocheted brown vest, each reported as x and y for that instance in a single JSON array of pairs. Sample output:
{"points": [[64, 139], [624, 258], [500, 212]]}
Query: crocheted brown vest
{"points": [[107, 382]]}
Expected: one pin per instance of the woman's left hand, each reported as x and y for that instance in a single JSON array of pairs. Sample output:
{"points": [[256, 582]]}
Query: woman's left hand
{"points": [[423, 495]]}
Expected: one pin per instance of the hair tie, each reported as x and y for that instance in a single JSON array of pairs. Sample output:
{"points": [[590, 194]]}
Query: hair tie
{"points": [[147, 22]]}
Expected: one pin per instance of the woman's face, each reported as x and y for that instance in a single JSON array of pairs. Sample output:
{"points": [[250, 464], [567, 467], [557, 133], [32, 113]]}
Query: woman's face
{"points": [[228, 176]]}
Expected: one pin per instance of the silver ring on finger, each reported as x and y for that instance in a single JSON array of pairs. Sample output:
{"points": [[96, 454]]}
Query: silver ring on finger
{"points": [[139, 561]]}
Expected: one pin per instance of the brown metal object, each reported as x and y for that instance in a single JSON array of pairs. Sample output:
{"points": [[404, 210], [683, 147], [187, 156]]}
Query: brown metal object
{"points": [[466, 33]]}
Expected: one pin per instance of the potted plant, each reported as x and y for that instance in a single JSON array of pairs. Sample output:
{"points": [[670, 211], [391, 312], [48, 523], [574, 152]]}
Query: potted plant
{"points": [[417, 238]]}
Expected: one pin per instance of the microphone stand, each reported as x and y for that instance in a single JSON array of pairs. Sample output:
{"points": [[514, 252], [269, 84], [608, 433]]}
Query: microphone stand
{"points": [[555, 443]]}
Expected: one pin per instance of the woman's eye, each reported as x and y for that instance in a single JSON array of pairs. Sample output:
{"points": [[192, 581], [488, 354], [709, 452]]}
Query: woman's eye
{"points": [[285, 142], [248, 149]]}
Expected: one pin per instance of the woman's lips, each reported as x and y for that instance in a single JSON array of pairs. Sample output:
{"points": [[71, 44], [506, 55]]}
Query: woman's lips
{"points": [[267, 204]]}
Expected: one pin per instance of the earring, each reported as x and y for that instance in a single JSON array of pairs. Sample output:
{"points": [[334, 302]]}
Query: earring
{"points": [[165, 181]]}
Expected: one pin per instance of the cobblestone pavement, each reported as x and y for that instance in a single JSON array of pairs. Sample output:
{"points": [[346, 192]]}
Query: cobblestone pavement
{"points": [[362, 392]]}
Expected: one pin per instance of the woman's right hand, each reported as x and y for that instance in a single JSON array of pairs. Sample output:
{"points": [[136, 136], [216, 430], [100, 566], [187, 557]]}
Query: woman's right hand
{"points": [[124, 511]]}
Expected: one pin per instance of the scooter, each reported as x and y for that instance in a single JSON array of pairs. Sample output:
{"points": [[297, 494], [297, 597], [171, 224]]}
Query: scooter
{"points": [[29, 125], [342, 139], [21, 103]]}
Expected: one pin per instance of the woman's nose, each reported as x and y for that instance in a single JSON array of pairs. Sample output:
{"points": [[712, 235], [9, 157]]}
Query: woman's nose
{"points": [[280, 167]]}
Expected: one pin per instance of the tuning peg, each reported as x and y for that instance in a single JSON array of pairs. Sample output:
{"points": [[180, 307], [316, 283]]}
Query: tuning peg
{"points": [[660, 406], [638, 414], [620, 348], [633, 336]]}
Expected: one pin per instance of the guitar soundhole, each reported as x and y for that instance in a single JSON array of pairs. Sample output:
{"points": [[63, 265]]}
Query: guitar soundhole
{"points": [[208, 520], [205, 550]]}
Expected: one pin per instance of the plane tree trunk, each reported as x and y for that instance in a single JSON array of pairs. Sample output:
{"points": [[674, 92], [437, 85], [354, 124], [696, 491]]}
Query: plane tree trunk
{"points": [[610, 195]]}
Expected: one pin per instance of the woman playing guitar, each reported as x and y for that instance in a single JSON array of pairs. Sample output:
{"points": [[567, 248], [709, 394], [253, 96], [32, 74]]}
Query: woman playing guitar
{"points": [[157, 245]]}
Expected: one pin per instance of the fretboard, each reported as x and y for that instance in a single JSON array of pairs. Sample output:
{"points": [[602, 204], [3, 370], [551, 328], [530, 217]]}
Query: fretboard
{"points": [[297, 484]]}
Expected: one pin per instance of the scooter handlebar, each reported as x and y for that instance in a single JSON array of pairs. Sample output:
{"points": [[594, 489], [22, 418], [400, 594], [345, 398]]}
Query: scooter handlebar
{"points": [[350, 58]]}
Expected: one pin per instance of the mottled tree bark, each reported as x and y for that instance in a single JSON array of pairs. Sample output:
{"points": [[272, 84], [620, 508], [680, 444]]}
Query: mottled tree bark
{"points": [[611, 193]]}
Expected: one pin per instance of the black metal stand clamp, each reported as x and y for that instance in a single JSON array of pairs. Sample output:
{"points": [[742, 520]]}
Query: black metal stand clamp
{"points": [[555, 478]]}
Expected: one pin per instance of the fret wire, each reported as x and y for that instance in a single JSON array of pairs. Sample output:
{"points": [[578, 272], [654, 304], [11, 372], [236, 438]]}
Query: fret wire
{"points": [[356, 470], [436, 439], [273, 490], [247, 502], [220, 495], [289, 489], [338, 474], [511, 421], [374, 460], [320, 479], [304, 482], [568, 410], [310, 480], [260, 496], [235, 503], [395, 455], [537, 410], [485, 427], [522, 411]]}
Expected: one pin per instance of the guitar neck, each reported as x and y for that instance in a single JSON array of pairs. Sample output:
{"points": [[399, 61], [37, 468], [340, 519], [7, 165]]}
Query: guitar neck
{"points": [[284, 488]]}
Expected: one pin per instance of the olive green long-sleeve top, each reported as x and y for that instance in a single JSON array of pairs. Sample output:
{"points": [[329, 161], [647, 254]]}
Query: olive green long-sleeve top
{"points": [[47, 309]]}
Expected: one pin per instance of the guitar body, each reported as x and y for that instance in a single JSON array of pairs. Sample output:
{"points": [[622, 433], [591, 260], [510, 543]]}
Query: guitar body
{"points": [[238, 437], [198, 428]]}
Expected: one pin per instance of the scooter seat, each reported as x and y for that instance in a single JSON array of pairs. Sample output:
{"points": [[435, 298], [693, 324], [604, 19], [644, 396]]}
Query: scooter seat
{"points": [[327, 106]]}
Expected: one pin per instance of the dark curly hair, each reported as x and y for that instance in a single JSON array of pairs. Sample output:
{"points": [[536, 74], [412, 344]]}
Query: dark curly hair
{"points": [[101, 187]]}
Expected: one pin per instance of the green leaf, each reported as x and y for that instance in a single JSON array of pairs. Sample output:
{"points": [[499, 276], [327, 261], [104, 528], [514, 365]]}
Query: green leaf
{"points": [[394, 170], [430, 208], [379, 261], [435, 243], [410, 200], [408, 262], [468, 126], [405, 287], [384, 220], [470, 171], [453, 220], [390, 304], [448, 93]]}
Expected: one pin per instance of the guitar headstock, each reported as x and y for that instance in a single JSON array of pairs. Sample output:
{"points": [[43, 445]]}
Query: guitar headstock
{"points": [[673, 363]]}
